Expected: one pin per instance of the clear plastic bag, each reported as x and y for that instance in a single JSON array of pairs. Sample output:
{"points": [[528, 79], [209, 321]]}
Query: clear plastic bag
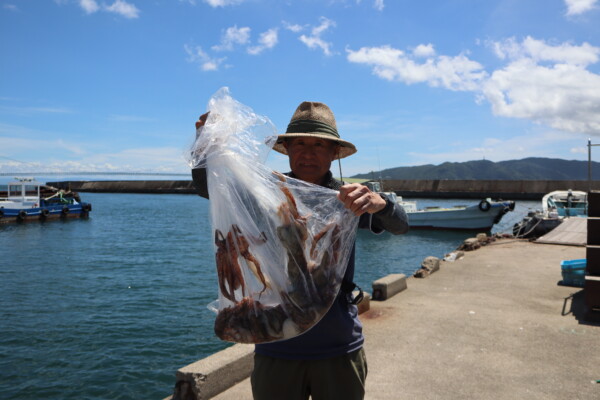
{"points": [[281, 244]]}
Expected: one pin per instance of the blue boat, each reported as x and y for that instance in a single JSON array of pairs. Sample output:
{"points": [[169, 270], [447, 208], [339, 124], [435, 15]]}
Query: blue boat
{"points": [[26, 200]]}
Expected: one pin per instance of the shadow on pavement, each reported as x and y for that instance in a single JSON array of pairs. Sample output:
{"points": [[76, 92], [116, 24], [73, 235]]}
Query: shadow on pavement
{"points": [[575, 305]]}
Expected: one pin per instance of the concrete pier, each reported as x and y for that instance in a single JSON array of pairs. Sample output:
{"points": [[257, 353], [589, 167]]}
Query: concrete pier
{"points": [[494, 324]]}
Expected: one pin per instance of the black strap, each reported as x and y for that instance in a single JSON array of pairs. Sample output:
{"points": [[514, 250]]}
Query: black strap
{"points": [[348, 288]]}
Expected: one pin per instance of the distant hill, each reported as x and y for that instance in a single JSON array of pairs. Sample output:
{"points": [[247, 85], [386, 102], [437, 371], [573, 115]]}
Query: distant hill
{"points": [[532, 168]]}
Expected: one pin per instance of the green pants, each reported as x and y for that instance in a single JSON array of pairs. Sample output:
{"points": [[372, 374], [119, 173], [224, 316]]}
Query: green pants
{"points": [[330, 379]]}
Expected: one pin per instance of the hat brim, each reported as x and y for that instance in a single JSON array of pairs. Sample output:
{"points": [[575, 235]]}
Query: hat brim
{"points": [[346, 148]]}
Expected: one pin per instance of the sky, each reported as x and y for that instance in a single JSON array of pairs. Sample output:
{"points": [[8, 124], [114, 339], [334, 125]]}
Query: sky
{"points": [[116, 85]]}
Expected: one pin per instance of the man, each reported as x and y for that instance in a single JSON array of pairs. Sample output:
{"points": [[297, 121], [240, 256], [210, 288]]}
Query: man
{"points": [[326, 362]]}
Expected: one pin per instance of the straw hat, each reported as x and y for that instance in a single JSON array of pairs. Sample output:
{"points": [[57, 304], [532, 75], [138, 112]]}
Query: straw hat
{"points": [[313, 119]]}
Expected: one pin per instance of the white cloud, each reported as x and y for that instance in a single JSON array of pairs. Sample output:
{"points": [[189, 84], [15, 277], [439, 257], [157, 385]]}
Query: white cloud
{"points": [[454, 73], [123, 8], [223, 3], [293, 27], [266, 40], [232, 36], [119, 7], [89, 6], [424, 50], [547, 84], [576, 7], [544, 83], [539, 51], [326, 23], [314, 41], [200, 57], [10, 7], [377, 4], [578, 150], [563, 96]]}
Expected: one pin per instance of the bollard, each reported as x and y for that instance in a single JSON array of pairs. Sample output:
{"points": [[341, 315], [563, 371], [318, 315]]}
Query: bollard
{"points": [[214, 374], [388, 286]]}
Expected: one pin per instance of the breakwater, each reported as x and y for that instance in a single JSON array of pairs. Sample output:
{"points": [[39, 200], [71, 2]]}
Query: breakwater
{"points": [[428, 188], [160, 187], [476, 189]]}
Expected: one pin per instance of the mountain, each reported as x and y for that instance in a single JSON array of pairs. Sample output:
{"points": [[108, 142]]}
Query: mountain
{"points": [[533, 168]]}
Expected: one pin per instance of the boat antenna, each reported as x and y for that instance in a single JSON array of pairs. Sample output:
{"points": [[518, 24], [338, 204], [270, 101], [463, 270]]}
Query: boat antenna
{"points": [[379, 165]]}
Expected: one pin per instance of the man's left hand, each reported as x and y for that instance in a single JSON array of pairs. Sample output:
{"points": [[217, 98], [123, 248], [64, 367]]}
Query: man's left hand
{"points": [[360, 199]]}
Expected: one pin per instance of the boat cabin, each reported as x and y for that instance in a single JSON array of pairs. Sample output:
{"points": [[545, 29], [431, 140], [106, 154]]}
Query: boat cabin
{"points": [[28, 200], [565, 203], [24, 193]]}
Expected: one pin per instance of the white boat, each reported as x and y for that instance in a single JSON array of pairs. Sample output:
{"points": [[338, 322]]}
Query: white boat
{"points": [[556, 207], [480, 217], [565, 203]]}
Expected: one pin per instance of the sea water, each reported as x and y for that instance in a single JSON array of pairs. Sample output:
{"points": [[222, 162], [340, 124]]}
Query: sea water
{"points": [[111, 306]]}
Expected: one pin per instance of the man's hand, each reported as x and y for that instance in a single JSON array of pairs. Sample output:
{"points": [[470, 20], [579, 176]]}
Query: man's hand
{"points": [[201, 121], [359, 199]]}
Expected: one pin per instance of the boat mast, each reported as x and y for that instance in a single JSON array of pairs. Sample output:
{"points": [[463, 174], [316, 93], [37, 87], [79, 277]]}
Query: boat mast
{"points": [[590, 164]]}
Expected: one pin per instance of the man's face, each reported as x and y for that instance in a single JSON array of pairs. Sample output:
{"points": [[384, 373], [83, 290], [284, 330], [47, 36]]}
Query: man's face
{"points": [[310, 158]]}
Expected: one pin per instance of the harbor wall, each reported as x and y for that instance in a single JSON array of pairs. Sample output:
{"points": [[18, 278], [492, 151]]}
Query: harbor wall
{"points": [[160, 187], [477, 189], [429, 188]]}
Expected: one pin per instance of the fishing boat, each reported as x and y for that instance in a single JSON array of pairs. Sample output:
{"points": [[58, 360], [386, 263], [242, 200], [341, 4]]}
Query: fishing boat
{"points": [[480, 217], [556, 207], [26, 200], [566, 203]]}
